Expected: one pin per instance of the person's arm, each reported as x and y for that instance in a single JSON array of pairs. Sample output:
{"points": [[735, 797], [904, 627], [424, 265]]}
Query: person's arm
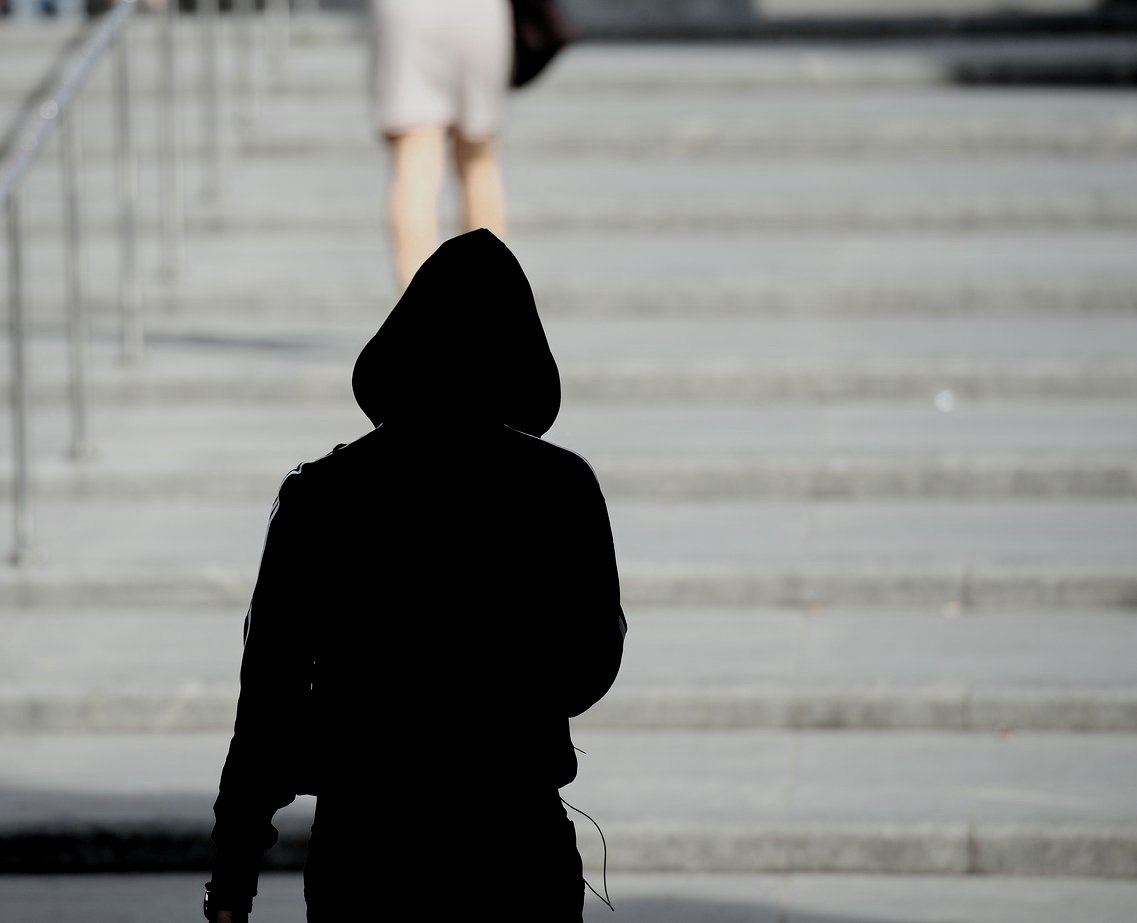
{"points": [[593, 625], [266, 752]]}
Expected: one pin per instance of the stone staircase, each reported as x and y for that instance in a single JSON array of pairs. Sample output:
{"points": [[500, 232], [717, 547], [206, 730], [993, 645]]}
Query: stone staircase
{"points": [[853, 349]]}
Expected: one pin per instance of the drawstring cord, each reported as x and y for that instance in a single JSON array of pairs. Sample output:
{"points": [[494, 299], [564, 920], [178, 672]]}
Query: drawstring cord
{"points": [[603, 841], [603, 897]]}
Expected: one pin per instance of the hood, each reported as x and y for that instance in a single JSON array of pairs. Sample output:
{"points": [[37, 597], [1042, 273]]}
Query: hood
{"points": [[464, 344]]}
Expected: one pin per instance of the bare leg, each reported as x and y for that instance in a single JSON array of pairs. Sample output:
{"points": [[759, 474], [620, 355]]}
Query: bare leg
{"points": [[417, 163], [479, 175]]}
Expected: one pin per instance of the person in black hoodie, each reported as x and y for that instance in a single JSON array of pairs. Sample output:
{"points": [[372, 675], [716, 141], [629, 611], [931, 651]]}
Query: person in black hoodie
{"points": [[435, 600]]}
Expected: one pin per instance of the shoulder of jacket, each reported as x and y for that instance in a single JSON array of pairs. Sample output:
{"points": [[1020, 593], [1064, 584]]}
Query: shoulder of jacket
{"points": [[308, 471], [560, 456]]}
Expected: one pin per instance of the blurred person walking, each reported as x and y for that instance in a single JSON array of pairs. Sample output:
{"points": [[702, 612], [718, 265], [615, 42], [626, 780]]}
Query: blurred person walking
{"points": [[440, 77], [435, 601]]}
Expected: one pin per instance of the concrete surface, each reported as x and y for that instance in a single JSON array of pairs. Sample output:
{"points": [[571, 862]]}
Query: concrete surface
{"points": [[664, 194], [772, 802], [641, 273], [159, 670], [638, 898], [959, 448]]}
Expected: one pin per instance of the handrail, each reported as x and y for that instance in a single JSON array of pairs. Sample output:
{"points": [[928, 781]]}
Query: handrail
{"points": [[41, 124], [58, 113]]}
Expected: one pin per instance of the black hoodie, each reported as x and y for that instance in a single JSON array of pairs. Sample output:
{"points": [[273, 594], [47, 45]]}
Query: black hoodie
{"points": [[435, 600]]}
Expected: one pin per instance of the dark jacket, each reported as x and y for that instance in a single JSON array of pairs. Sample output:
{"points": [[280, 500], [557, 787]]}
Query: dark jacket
{"points": [[436, 599]]}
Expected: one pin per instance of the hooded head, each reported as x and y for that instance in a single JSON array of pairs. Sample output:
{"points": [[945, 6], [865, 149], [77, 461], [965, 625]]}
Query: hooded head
{"points": [[463, 344]]}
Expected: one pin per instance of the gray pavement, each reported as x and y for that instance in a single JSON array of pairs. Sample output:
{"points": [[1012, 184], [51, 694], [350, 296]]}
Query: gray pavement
{"points": [[767, 777], [637, 898], [744, 801]]}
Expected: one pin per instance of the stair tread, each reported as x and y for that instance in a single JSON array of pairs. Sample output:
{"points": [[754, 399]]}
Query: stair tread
{"points": [[263, 436], [672, 653], [183, 534], [648, 780]]}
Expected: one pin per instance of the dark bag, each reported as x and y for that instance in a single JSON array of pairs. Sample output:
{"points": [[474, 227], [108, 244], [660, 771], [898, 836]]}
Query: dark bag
{"points": [[540, 30]]}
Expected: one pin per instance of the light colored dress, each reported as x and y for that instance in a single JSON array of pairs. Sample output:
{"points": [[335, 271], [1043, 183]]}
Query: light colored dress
{"points": [[441, 62]]}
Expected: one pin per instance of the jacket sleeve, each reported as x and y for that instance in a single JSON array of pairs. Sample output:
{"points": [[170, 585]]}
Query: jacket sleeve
{"points": [[262, 772], [593, 625]]}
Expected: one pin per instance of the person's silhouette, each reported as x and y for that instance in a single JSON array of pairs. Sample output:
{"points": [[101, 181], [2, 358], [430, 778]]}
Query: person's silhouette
{"points": [[435, 601]]}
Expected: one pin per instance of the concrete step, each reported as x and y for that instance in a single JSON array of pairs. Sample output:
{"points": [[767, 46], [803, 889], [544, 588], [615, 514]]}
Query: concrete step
{"points": [[99, 671], [1057, 820], [1011, 553], [925, 363], [902, 669], [889, 124], [638, 898], [322, 66], [715, 67], [666, 453], [740, 801], [293, 274], [839, 17], [268, 193], [684, 126]]}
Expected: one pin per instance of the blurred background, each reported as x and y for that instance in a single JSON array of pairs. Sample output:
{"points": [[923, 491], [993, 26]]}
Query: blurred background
{"points": [[844, 295]]}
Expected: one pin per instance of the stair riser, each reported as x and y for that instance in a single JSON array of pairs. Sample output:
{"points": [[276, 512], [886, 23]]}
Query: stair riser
{"points": [[1038, 217], [944, 849], [1108, 381], [758, 481], [903, 710], [654, 586], [648, 301]]}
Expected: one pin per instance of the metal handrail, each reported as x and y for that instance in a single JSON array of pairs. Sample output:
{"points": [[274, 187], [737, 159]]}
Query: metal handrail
{"points": [[58, 113], [39, 127]]}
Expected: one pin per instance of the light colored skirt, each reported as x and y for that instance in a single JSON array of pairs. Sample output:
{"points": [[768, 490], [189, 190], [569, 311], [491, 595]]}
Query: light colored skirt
{"points": [[441, 62]]}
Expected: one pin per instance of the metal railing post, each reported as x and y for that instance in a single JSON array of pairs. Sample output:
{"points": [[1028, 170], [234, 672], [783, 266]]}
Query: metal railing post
{"points": [[73, 262], [244, 59], [210, 104], [21, 488], [129, 296], [169, 171], [61, 113]]}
